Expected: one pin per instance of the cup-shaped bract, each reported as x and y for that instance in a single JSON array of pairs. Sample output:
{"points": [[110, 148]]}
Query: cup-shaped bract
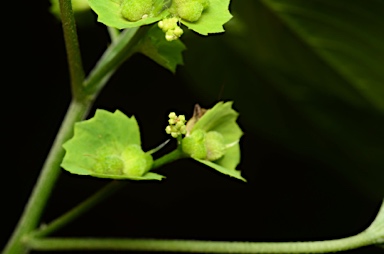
{"points": [[108, 146], [214, 137]]}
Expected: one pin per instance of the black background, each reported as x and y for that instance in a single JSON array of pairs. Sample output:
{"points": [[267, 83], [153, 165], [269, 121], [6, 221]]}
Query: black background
{"points": [[287, 197]]}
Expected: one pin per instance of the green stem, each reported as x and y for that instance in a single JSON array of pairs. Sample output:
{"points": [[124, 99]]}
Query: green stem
{"points": [[80, 209], [343, 244], [113, 33], [115, 55], [168, 158], [72, 47], [118, 52], [47, 178]]}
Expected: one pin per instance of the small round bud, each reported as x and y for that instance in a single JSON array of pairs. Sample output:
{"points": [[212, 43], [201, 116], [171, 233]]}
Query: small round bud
{"points": [[182, 117], [172, 115], [179, 124], [168, 129], [169, 36], [174, 134], [170, 28], [183, 130], [178, 32], [171, 121]]}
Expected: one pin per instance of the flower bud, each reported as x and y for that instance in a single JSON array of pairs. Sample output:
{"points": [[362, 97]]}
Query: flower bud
{"points": [[183, 130], [168, 129], [181, 117], [178, 32], [172, 115]]}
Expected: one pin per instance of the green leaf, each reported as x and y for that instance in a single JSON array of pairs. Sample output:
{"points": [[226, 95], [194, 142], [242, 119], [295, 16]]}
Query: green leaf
{"points": [[98, 145], [221, 118], [212, 19], [166, 53], [109, 13], [223, 170], [231, 158]]}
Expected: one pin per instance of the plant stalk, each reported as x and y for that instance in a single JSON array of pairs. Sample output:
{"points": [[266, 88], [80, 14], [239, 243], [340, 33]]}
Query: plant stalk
{"points": [[80, 209], [75, 65], [67, 244], [48, 176], [119, 51], [169, 157]]}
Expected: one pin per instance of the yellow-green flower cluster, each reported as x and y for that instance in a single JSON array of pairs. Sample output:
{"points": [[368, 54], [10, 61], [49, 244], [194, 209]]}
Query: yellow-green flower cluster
{"points": [[171, 28], [176, 125]]}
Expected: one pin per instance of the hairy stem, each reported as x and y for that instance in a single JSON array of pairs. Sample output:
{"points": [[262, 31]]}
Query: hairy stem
{"points": [[47, 179], [343, 244], [80, 209], [73, 51]]}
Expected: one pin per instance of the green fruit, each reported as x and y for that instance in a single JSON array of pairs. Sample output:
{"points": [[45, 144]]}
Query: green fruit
{"points": [[136, 161], [194, 146], [109, 165], [190, 11], [214, 143], [204, 146], [134, 10]]}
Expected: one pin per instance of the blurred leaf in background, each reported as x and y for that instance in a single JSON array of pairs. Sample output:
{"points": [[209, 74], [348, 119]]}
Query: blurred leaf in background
{"points": [[308, 75]]}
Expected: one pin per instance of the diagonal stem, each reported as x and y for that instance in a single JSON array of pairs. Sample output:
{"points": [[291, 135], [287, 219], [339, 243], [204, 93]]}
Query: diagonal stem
{"points": [[96, 198], [73, 50], [80, 209], [48, 176]]}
